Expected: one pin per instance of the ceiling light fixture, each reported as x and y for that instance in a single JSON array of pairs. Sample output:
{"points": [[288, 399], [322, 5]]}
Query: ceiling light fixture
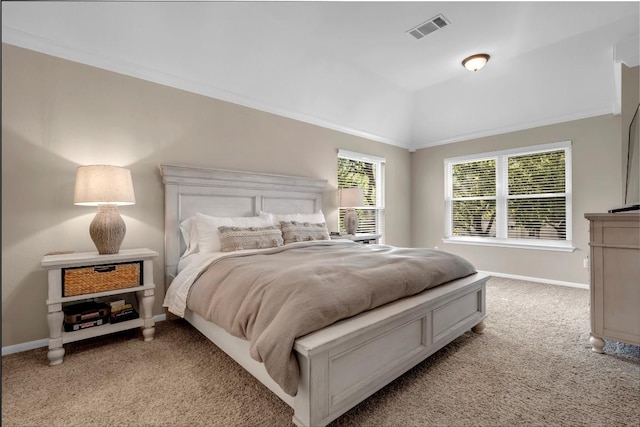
{"points": [[475, 62]]}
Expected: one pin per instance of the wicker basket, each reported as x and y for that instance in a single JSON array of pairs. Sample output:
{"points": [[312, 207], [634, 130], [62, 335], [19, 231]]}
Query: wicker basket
{"points": [[100, 278]]}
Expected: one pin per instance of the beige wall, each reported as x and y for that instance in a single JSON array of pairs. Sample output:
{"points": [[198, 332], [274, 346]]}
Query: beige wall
{"points": [[596, 183], [57, 115]]}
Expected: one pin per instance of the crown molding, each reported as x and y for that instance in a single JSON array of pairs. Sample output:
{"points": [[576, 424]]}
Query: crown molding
{"points": [[522, 126]]}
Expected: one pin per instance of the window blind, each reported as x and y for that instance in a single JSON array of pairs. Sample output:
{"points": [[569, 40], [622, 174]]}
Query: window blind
{"points": [[522, 194], [366, 172], [474, 198], [537, 196]]}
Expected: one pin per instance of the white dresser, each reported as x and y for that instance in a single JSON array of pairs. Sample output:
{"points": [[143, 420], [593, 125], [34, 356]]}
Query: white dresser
{"points": [[615, 278]]}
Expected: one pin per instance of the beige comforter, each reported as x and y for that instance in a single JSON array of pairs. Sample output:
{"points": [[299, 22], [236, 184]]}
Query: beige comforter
{"points": [[273, 298]]}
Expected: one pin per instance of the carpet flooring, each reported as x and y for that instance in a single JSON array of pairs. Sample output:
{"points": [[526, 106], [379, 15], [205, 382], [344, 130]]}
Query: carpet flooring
{"points": [[532, 367]]}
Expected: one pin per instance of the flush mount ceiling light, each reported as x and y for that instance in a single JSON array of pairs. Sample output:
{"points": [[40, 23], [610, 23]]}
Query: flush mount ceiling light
{"points": [[475, 62]]}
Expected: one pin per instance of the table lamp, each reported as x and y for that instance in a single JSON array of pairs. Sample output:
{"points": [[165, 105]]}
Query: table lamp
{"points": [[350, 198], [106, 187]]}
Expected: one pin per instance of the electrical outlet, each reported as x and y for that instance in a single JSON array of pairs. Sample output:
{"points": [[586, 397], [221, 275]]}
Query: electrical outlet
{"points": [[585, 262]]}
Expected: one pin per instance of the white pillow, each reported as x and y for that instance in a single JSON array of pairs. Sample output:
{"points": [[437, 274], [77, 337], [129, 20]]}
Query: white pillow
{"points": [[207, 228], [189, 235], [314, 218]]}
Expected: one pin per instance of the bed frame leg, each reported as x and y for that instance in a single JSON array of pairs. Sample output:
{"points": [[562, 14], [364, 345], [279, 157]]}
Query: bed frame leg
{"points": [[311, 404], [479, 328]]}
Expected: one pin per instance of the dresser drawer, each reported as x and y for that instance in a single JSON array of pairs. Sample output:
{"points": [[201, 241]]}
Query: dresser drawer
{"points": [[620, 233], [99, 278]]}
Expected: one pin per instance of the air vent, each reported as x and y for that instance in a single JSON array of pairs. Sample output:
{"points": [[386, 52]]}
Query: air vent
{"points": [[429, 27]]}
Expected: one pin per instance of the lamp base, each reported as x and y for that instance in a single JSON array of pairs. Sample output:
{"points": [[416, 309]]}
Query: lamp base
{"points": [[351, 221], [107, 229]]}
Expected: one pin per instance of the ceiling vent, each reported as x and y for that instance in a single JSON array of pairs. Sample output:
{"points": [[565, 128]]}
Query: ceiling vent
{"points": [[429, 27]]}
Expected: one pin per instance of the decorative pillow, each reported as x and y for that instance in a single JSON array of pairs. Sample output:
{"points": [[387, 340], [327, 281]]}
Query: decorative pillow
{"points": [[238, 238], [189, 235], [315, 218], [207, 228], [294, 231]]}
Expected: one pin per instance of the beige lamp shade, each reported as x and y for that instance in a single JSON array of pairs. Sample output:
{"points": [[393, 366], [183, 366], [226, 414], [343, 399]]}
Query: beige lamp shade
{"points": [[103, 184], [350, 197], [106, 187]]}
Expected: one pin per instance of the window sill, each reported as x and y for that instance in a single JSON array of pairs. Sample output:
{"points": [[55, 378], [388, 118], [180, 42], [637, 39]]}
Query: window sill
{"points": [[542, 245]]}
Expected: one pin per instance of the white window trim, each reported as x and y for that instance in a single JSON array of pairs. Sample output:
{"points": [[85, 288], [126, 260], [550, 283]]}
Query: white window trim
{"points": [[380, 196], [538, 244], [501, 211], [360, 157]]}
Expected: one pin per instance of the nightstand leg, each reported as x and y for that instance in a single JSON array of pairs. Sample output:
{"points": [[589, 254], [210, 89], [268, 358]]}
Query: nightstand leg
{"points": [[147, 314], [55, 318]]}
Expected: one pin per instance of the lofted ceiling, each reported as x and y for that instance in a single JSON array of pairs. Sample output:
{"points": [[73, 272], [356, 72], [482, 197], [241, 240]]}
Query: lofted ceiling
{"points": [[352, 66]]}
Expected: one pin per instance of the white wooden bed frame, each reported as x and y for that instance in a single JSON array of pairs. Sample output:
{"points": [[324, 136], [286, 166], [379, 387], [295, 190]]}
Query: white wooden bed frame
{"points": [[343, 364]]}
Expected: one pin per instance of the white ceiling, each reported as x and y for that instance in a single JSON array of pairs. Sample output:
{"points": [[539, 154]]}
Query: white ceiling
{"points": [[352, 66]]}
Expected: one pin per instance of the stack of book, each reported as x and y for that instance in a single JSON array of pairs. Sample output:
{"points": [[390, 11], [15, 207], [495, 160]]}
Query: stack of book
{"points": [[121, 310], [85, 315]]}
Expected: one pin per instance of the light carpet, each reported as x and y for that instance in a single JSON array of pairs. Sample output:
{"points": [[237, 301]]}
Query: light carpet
{"points": [[532, 367]]}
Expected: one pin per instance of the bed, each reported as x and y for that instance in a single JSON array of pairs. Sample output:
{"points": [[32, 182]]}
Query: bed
{"points": [[341, 364]]}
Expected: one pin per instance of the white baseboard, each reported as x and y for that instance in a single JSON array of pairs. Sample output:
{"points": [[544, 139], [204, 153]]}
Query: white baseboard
{"points": [[18, 348], [538, 279]]}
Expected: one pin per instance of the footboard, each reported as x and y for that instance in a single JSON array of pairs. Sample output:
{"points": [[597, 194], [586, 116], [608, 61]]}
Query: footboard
{"points": [[347, 362]]}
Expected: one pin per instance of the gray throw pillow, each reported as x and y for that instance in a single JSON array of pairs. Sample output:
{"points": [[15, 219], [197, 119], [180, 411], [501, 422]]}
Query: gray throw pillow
{"points": [[238, 238]]}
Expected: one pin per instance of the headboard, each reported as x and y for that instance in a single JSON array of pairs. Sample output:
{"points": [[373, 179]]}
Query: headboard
{"points": [[219, 192]]}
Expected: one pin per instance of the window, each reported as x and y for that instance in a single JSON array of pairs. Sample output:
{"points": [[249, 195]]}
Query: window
{"points": [[365, 172], [516, 198]]}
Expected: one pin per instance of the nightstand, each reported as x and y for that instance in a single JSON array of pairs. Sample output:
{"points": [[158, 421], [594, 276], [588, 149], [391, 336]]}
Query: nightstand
{"points": [[85, 276], [366, 239]]}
